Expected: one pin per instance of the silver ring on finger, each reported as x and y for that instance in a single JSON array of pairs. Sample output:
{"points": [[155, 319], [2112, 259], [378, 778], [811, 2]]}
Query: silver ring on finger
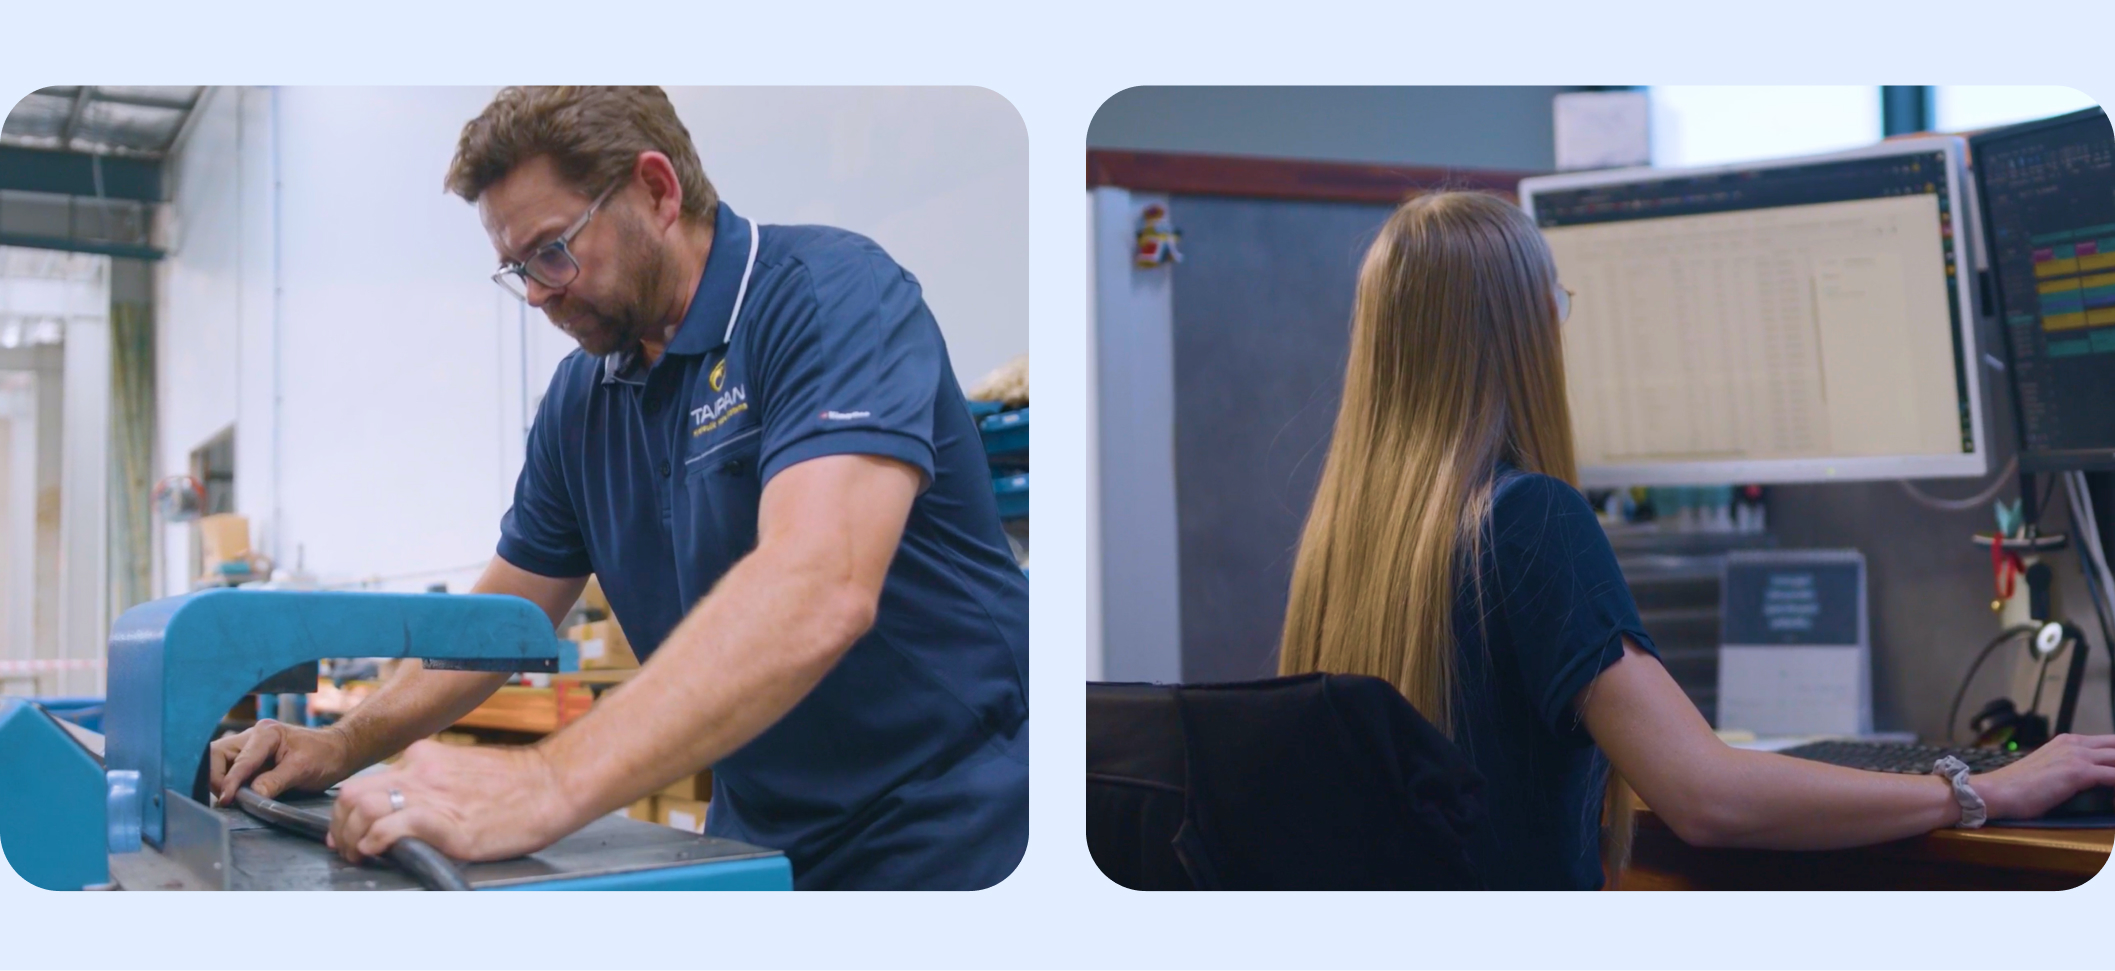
{"points": [[396, 800]]}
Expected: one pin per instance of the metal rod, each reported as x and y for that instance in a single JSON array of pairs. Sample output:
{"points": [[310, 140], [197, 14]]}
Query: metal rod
{"points": [[416, 857], [72, 127]]}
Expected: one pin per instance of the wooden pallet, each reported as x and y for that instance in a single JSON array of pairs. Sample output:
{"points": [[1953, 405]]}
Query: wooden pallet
{"points": [[532, 710], [513, 708]]}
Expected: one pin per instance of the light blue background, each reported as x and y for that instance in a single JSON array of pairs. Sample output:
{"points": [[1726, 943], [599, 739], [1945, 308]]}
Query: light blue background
{"points": [[1057, 64]]}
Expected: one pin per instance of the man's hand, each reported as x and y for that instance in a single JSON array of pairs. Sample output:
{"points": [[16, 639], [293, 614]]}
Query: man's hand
{"points": [[470, 803], [288, 756]]}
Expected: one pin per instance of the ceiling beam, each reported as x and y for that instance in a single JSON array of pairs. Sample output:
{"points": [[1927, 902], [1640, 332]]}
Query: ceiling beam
{"points": [[73, 174], [139, 101], [176, 132], [205, 97]]}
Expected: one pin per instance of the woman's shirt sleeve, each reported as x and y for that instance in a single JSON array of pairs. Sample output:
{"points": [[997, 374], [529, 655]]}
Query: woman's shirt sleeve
{"points": [[1559, 593]]}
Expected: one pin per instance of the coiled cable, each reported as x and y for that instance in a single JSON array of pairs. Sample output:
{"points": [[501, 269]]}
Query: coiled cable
{"points": [[416, 857]]}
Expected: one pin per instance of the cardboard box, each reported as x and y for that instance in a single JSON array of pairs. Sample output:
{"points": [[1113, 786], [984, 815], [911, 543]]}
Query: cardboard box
{"points": [[223, 537], [697, 787], [643, 811], [594, 597], [534, 711], [684, 814], [602, 645]]}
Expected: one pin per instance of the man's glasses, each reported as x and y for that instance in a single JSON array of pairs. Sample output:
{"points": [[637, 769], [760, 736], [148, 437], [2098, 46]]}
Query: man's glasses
{"points": [[552, 265]]}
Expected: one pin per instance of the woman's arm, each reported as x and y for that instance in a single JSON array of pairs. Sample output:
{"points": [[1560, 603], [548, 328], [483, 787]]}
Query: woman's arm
{"points": [[1711, 794]]}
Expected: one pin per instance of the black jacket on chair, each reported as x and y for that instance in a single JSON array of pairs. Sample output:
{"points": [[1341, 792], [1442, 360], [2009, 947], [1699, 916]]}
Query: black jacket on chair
{"points": [[1314, 782]]}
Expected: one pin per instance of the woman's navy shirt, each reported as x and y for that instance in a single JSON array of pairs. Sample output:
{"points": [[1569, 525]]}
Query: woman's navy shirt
{"points": [[1553, 613], [907, 765]]}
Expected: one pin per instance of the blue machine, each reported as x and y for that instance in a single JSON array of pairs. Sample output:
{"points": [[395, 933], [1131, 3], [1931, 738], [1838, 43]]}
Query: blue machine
{"points": [[51, 801], [177, 665]]}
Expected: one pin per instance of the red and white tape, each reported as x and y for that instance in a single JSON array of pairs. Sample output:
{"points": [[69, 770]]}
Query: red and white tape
{"points": [[49, 664]]}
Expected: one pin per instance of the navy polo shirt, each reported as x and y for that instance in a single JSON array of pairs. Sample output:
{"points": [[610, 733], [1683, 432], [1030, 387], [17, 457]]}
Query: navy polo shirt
{"points": [[907, 766]]}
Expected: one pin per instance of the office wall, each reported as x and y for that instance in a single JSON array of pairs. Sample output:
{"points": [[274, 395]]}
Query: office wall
{"points": [[380, 404], [1256, 341], [1137, 607], [1262, 325], [1467, 127], [1929, 589]]}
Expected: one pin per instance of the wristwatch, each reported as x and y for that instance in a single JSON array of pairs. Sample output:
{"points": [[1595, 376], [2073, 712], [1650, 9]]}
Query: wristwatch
{"points": [[1973, 812]]}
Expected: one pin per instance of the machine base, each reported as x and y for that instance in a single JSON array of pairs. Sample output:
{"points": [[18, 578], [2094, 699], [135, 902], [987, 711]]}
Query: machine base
{"points": [[611, 853]]}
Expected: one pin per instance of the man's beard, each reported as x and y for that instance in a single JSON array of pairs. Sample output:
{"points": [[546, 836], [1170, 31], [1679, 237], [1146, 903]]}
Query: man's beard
{"points": [[632, 315]]}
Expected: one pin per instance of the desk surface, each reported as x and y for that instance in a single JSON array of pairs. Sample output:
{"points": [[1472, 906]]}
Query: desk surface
{"points": [[1993, 858]]}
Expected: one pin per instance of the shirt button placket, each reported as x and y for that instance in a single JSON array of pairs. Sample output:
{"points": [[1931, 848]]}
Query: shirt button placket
{"points": [[657, 402]]}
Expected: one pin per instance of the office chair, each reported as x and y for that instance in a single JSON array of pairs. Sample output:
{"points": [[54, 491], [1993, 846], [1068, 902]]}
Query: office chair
{"points": [[1312, 782]]}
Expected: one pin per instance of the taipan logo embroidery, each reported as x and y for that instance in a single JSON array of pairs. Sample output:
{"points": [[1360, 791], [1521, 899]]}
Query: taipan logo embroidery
{"points": [[708, 418], [718, 375]]}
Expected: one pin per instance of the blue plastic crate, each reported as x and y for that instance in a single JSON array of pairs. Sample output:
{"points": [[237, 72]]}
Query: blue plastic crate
{"points": [[1006, 436], [1012, 492], [981, 410]]}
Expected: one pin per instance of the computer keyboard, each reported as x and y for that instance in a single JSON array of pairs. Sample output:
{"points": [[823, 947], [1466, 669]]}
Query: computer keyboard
{"points": [[2098, 803], [1900, 756]]}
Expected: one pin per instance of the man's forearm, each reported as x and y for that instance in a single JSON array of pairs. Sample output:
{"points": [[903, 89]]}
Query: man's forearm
{"points": [[418, 702], [757, 644], [410, 706]]}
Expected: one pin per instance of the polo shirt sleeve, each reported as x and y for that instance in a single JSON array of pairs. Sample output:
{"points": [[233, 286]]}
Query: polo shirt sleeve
{"points": [[849, 364], [1561, 594], [540, 532]]}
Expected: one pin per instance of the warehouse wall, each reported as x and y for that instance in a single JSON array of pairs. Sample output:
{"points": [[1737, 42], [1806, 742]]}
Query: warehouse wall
{"points": [[214, 302], [404, 388], [18, 523], [59, 431]]}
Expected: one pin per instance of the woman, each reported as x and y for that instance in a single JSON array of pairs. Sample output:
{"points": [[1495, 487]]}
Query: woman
{"points": [[1448, 553]]}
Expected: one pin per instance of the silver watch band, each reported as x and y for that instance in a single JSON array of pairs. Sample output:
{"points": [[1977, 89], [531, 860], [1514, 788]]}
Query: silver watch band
{"points": [[1955, 771]]}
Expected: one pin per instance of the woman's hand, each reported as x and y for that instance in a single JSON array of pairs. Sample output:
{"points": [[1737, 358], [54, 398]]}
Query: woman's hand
{"points": [[2066, 766]]}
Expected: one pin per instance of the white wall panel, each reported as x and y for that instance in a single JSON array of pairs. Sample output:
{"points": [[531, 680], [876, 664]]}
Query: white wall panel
{"points": [[403, 379]]}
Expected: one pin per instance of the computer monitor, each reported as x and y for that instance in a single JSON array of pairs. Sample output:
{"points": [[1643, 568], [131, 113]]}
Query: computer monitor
{"points": [[1801, 320], [2048, 199]]}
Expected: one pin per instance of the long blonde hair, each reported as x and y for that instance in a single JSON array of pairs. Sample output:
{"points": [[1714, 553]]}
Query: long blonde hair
{"points": [[1456, 365]]}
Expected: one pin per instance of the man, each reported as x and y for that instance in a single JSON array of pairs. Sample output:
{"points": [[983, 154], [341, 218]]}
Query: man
{"points": [[761, 451]]}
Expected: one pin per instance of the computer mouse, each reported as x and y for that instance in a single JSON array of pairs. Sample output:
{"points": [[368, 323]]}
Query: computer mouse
{"points": [[2097, 801]]}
